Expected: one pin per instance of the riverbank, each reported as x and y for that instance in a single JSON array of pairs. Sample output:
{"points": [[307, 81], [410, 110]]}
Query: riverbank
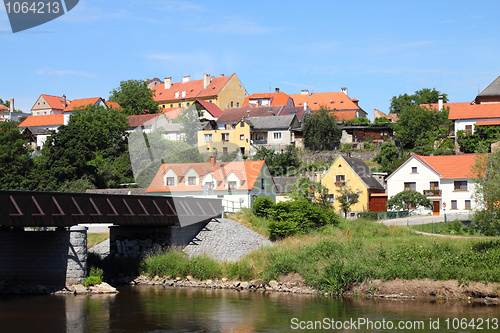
{"points": [[395, 289]]}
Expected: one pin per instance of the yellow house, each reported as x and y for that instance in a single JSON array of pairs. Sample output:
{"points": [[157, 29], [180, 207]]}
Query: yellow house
{"points": [[357, 175], [224, 141], [223, 91]]}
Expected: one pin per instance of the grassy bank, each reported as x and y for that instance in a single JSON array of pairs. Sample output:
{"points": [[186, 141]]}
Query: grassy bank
{"points": [[456, 228], [333, 258], [95, 238]]}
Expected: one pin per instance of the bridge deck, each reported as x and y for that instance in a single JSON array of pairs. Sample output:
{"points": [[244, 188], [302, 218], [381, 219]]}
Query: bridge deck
{"points": [[59, 209]]}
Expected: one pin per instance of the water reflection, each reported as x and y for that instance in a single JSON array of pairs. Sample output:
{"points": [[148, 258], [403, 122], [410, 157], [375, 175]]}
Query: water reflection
{"points": [[158, 309]]}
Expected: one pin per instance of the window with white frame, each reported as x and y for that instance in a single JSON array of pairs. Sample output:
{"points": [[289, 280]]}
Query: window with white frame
{"points": [[208, 137], [170, 181], [231, 184], [339, 179], [225, 136], [191, 180], [277, 135]]}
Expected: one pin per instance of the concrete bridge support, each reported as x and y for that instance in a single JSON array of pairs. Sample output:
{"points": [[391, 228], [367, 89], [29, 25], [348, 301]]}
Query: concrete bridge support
{"points": [[51, 258]]}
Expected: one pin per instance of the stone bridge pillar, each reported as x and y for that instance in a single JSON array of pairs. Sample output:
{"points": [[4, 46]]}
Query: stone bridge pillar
{"points": [[50, 258]]}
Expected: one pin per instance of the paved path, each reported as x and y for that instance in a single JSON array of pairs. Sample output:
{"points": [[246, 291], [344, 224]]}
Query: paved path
{"points": [[225, 240]]}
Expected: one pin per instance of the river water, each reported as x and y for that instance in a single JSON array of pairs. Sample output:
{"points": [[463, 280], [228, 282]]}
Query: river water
{"points": [[159, 309]]}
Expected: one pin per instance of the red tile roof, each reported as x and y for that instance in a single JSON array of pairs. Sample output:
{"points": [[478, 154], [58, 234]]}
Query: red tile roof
{"points": [[234, 115], [451, 166], [467, 110], [113, 105], [172, 113], [83, 102], [3, 107], [48, 120], [139, 120], [330, 100], [210, 107], [246, 171], [192, 88], [488, 122], [55, 102], [344, 115], [276, 98]]}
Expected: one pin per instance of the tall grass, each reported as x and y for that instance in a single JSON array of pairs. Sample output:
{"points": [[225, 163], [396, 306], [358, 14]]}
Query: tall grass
{"points": [[334, 257]]}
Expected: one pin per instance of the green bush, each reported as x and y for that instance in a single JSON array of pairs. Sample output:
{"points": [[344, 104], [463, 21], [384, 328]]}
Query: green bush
{"points": [[298, 216], [95, 277], [282, 229], [262, 205]]}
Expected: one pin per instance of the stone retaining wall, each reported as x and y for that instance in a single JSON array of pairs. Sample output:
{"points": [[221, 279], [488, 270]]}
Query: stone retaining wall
{"points": [[51, 258], [330, 156]]}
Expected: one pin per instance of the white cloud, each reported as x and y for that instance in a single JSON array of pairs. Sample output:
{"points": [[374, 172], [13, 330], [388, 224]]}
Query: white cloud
{"points": [[64, 72]]}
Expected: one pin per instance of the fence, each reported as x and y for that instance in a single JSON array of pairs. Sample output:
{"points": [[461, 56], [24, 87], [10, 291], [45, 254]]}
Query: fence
{"points": [[393, 215], [229, 206]]}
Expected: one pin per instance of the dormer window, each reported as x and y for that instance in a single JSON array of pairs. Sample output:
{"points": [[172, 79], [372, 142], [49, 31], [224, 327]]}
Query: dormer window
{"points": [[170, 181], [231, 184], [191, 180], [176, 94], [184, 93]]}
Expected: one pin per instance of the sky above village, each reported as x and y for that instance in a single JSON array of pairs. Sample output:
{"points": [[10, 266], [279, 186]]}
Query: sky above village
{"points": [[377, 49]]}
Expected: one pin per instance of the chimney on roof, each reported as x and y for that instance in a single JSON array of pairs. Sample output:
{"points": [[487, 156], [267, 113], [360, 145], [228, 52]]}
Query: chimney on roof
{"points": [[206, 80], [277, 90], [64, 102], [168, 82], [11, 106], [248, 113], [344, 90], [304, 92], [186, 78], [212, 163], [440, 103], [222, 75]]}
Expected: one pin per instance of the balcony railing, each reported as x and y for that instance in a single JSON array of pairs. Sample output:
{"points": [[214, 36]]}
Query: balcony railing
{"points": [[432, 193]]}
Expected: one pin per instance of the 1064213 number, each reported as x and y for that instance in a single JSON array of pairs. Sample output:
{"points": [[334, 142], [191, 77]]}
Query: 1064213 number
{"points": [[475, 323], [18, 7]]}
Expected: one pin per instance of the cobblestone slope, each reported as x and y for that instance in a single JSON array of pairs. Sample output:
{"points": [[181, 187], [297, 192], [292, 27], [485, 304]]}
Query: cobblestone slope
{"points": [[225, 240]]}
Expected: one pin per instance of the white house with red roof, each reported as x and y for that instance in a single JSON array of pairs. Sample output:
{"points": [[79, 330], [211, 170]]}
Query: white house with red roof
{"points": [[48, 104], [447, 181], [484, 110], [50, 112], [237, 183]]}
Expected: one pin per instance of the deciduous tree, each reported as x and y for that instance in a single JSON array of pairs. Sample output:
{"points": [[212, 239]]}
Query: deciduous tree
{"points": [[321, 131], [406, 199], [347, 197], [15, 162], [422, 96], [134, 97], [88, 148]]}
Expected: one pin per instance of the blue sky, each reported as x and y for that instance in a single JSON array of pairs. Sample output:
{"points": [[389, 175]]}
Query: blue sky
{"points": [[377, 49]]}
